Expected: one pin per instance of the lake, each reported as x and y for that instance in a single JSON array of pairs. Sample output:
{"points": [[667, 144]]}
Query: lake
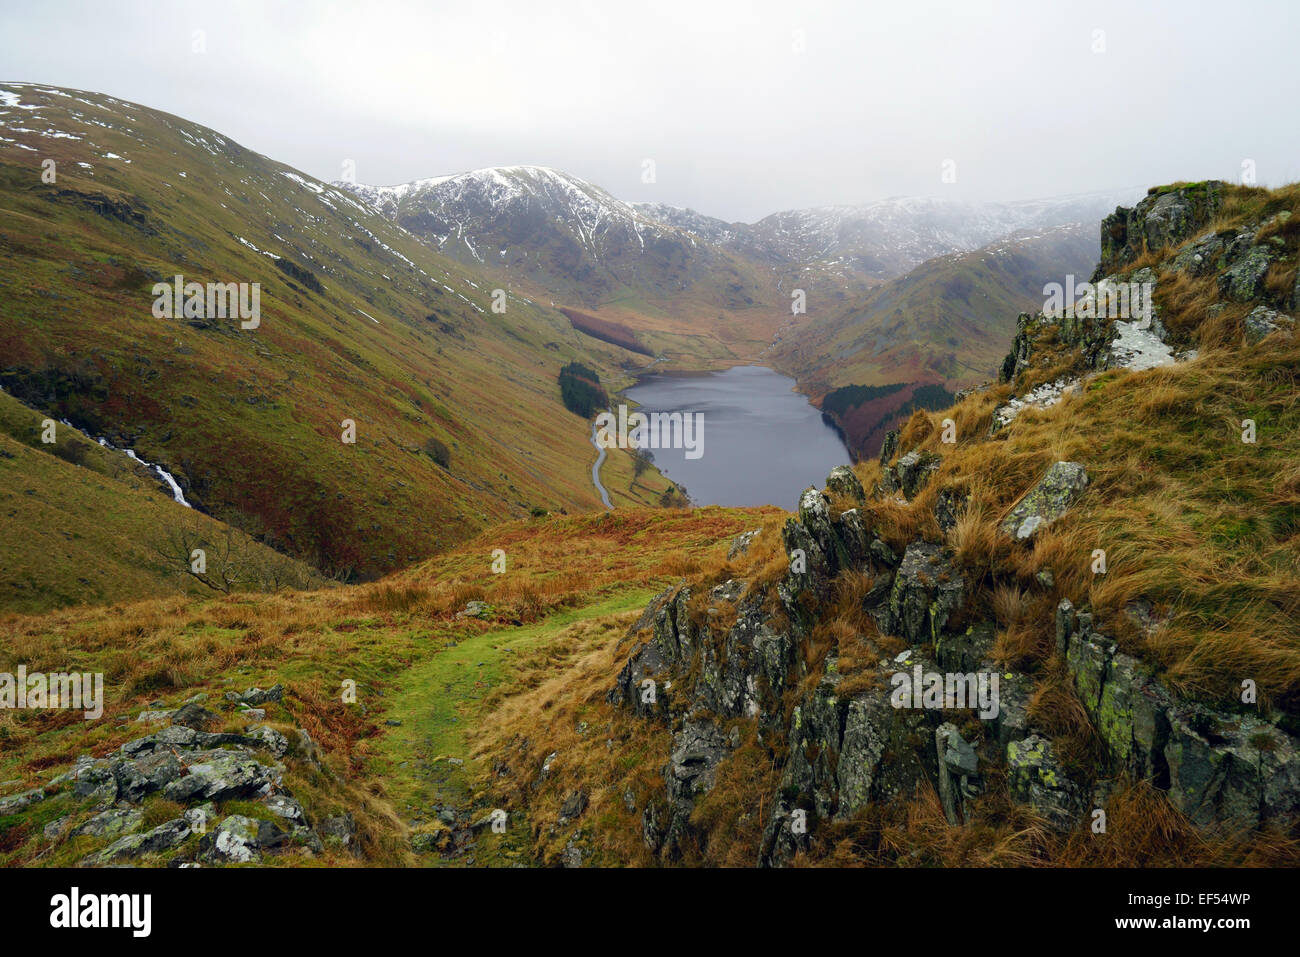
{"points": [[762, 442]]}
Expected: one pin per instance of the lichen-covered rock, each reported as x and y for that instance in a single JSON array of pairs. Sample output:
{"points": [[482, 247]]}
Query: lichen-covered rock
{"points": [[843, 481], [256, 696], [958, 772], [927, 590], [1262, 322], [1046, 501], [193, 715], [653, 661], [1201, 257], [141, 776], [162, 838], [271, 739], [1035, 777], [223, 775], [94, 780], [111, 824], [852, 530], [888, 446], [16, 802], [968, 650], [740, 544], [239, 840], [948, 506], [1230, 768], [697, 749], [911, 473], [1243, 281], [879, 757]]}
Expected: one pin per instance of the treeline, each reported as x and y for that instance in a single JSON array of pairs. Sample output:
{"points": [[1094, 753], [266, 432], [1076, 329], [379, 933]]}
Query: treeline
{"points": [[581, 391], [847, 397]]}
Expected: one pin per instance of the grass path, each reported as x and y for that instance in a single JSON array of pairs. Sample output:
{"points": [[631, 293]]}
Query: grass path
{"points": [[425, 761]]}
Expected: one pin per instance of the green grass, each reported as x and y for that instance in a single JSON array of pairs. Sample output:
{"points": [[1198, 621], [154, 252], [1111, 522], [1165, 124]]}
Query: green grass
{"points": [[441, 698]]}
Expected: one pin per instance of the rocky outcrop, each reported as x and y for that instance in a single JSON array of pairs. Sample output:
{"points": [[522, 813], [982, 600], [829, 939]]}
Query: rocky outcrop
{"points": [[196, 769], [1164, 218], [1217, 767], [856, 744]]}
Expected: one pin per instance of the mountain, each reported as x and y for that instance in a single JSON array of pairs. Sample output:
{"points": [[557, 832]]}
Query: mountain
{"points": [[1018, 640], [568, 236], [886, 239], [647, 266], [942, 326], [364, 332]]}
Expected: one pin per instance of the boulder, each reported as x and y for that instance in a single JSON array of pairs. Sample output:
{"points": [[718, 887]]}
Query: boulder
{"points": [[843, 481], [1262, 322], [16, 802], [193, 715], [111, 824], [1046, 501], [574, 804], [222, 776], [927, 590], [1231, 769], [1035, 777], [162, 838], [256, 696], [239, 840]]}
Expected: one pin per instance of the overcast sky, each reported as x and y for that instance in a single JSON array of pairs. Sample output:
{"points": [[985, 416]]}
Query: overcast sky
{"points": [[744, 108]]}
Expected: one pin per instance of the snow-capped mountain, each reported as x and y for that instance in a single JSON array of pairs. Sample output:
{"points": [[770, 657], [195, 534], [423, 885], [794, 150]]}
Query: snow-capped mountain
{"points": [[569, 235], [574, 236], [888, 238]]}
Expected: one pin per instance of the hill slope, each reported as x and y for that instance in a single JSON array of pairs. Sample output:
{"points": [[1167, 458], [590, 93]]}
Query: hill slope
{"points": [[1066, 637], [944, 325], [359, 322]]}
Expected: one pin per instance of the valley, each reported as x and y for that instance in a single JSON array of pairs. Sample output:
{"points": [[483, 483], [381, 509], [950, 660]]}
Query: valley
{"points": [[370, 582]]}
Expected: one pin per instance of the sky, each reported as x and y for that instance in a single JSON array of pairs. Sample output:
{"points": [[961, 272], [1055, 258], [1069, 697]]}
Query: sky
{"points": [[736, 110]]}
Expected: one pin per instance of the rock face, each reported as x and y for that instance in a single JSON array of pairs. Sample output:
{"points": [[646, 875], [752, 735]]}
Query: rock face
{"points": [[1164, 218], [1216, 767], [897, 730], [1046, 501]]}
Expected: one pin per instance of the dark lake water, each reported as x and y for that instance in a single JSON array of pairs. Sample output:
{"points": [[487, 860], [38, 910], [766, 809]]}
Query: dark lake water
{"points": [[763, 443]]}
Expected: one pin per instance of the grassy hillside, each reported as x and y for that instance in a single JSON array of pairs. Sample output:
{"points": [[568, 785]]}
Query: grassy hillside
{"points": [[1200, 588], [359, 321], [425, 677], [83, 524], [945, 323]]}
